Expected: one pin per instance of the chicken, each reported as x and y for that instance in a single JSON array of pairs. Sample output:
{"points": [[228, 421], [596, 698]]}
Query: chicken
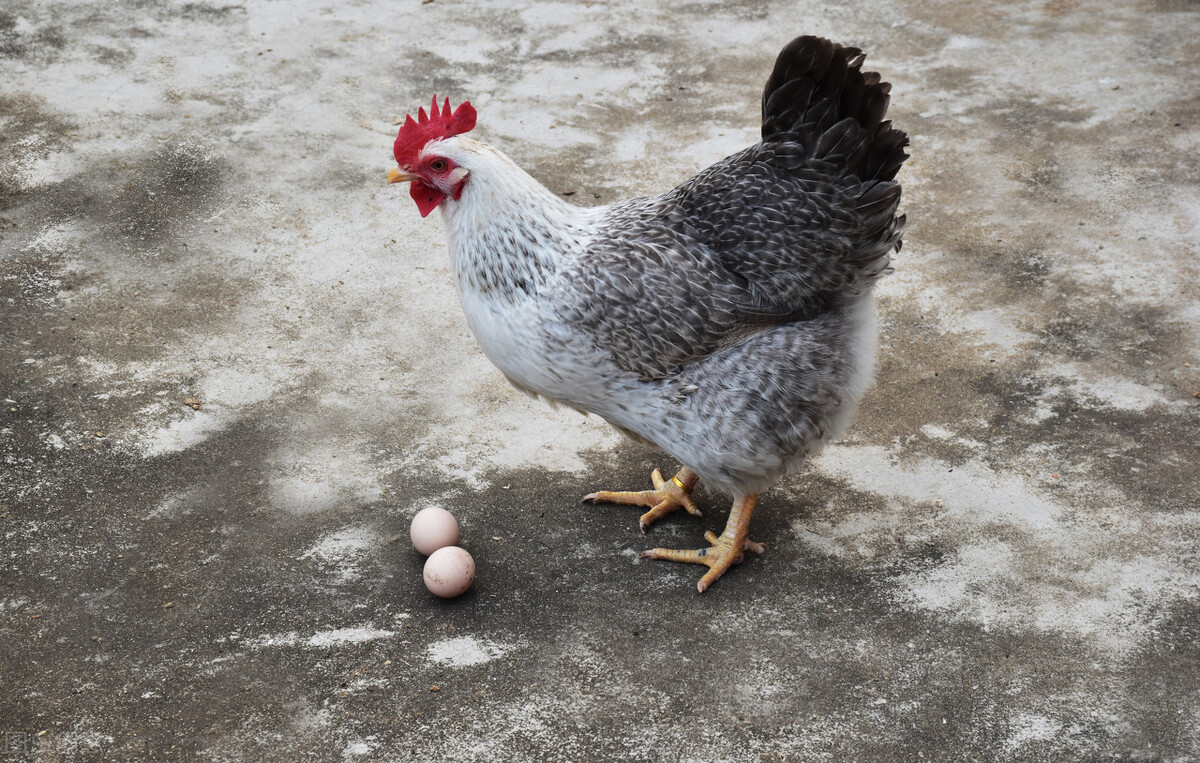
{"points": [[730, 321]]}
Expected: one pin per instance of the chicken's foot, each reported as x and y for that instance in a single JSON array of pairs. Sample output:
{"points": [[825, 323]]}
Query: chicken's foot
{"points": [[667, 496], [727, 549]]}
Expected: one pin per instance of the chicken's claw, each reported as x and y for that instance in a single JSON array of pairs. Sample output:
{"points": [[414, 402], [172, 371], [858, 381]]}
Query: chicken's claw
{"points": [[727, 549], [667, 496]]}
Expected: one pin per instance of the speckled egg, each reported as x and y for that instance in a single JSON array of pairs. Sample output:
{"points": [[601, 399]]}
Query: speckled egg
{"points": [[433, 528], [449, 572]]}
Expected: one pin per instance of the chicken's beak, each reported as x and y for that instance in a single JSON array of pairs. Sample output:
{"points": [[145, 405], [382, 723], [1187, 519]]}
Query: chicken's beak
{"points": [[397, 175]]}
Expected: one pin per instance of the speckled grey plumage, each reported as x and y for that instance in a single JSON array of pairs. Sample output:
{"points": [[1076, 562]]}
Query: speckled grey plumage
{"points": [[729, 320], [759, 239]]}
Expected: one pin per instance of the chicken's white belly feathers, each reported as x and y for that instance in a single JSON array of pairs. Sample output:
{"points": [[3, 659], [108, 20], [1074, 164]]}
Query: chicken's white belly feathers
{"points": [[505, 335], [544, 358]]}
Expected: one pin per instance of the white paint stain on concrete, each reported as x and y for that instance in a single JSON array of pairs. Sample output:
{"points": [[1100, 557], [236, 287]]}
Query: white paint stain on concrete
{"points": [[1018, 559], [343, 552], [465, 651], [336, 637]]}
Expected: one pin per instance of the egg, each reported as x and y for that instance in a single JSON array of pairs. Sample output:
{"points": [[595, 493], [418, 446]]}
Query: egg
{"points": [[433, 528], [449, 572]]}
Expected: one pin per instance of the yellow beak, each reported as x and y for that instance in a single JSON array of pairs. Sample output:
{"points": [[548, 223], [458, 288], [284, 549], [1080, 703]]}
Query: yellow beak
{"points": [[397, 175]]}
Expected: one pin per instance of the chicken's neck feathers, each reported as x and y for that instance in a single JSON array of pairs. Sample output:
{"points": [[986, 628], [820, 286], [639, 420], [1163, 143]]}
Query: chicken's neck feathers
{"points": [[507, 232]]}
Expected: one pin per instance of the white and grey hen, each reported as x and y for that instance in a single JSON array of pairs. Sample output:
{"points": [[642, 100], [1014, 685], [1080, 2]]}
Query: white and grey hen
{"points": [[729, 321]]}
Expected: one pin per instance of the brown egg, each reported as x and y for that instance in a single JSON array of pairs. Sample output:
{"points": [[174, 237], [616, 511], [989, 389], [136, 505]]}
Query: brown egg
{"points": [[433, 528], [449, 572]]}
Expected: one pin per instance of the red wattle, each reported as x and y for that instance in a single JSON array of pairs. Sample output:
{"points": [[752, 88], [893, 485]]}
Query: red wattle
{"points": [[427, 198]]}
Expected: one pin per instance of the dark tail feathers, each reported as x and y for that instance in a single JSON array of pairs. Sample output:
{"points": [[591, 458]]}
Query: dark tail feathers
{"points": [[818, 96]]}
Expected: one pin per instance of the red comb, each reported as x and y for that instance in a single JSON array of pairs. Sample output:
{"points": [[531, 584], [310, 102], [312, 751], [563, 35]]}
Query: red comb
{"points": [[433, 126]]}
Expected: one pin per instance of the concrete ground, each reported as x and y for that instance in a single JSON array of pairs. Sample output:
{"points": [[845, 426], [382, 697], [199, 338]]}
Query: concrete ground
{"points": [[232, 367]]}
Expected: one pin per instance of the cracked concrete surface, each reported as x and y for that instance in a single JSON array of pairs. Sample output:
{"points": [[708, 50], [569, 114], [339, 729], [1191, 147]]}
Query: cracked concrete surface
{"points": [[1000, 562]]}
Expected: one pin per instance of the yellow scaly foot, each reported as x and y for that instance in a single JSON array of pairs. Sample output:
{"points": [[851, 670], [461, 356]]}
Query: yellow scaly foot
{"points": [[727, 549], [667, 496]]}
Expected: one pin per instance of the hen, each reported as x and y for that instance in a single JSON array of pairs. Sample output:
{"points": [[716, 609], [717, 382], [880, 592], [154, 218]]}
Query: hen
{"points": [[729, 321]]}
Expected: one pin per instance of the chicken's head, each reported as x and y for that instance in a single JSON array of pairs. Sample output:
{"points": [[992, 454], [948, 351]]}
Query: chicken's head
{"points": [[433, 177]]}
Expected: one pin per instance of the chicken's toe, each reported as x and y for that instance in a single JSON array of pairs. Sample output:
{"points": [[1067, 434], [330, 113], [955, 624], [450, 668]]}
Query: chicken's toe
{"points": [[727, 549], [666, 497]]}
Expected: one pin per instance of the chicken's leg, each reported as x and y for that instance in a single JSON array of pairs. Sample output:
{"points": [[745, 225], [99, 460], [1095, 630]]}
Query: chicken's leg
{"points": [[667, 496], [727, 550]]}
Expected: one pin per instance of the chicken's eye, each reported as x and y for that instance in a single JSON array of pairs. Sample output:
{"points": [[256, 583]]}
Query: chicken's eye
{"points": [[437, 165]]}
